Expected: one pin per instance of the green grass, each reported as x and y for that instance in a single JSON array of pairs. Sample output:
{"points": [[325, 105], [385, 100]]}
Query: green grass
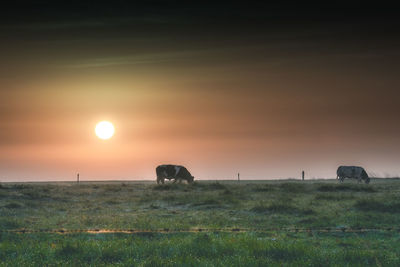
{"points": [[372, 205], [208, 205], [279, 208], [348, 187], [203, 249]]}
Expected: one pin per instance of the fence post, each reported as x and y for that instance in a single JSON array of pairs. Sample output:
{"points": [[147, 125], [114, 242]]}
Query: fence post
{"points": [[238, 177], [302, 175], [77, 178]]}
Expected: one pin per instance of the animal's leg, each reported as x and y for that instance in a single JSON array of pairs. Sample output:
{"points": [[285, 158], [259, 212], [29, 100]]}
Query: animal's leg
{"points": [[174, 180]]}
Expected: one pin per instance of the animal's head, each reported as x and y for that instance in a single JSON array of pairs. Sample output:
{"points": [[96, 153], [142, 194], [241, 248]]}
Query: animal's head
{"points": [[364, 174], [190, 180]]}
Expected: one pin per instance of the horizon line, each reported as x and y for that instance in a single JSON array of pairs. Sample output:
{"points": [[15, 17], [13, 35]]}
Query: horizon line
{"points": [[153, 180]]}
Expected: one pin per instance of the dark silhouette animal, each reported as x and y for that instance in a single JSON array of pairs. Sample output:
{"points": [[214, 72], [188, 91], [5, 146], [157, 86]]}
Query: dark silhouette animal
{"points": [[354, 172], [176, 172]]}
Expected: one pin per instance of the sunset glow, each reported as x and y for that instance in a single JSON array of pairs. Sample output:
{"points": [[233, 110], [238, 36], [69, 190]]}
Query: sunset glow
{"points": [[221, 90], [104, 130]]}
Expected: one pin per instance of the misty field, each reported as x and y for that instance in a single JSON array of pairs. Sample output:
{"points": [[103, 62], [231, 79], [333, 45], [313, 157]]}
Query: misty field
{"points": [[253, 223]]}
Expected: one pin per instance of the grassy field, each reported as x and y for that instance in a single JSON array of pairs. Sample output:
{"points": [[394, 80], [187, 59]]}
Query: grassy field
{"points": [[260, 207]]}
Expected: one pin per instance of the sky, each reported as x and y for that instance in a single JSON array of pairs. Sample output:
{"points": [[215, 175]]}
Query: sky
{"points": [[264, 90]]}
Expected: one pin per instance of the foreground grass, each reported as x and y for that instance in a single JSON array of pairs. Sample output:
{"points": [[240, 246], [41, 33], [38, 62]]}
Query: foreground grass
{"points": [[212, 205], [212, 249], [264, 204]]}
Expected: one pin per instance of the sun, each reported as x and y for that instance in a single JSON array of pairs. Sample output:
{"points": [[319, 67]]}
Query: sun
{"points": [[104, 130]]}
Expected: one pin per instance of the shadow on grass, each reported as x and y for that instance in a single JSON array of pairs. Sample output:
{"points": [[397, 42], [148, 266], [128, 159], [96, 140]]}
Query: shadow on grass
{"points": [[283, 208], [334, 197], [21, 186], [170, 187], [188, 187], [209, 186], [278, 252], [208, 204], [316, 221], [264, 188], [14, 205], [112, 188], [348, 187], [377, 206], [68, 250], [293, 188], [35, 195], [88, 254], [9, 224]]}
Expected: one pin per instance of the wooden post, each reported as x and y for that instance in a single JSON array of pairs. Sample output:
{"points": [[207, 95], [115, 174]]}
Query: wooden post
{"points": [[302, 175], [238, 177], [77, 178]]}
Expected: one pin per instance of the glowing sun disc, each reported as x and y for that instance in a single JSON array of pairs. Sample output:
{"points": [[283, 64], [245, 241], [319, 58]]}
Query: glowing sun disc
{"points": [[104, 130]]}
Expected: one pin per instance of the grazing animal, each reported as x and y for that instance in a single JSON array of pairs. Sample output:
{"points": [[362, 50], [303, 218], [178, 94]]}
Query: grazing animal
{"points": [[352, 172], [175, 172]]}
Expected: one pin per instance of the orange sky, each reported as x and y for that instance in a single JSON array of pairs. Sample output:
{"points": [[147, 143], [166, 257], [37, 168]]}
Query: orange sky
{"points": [[267, 103]]}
